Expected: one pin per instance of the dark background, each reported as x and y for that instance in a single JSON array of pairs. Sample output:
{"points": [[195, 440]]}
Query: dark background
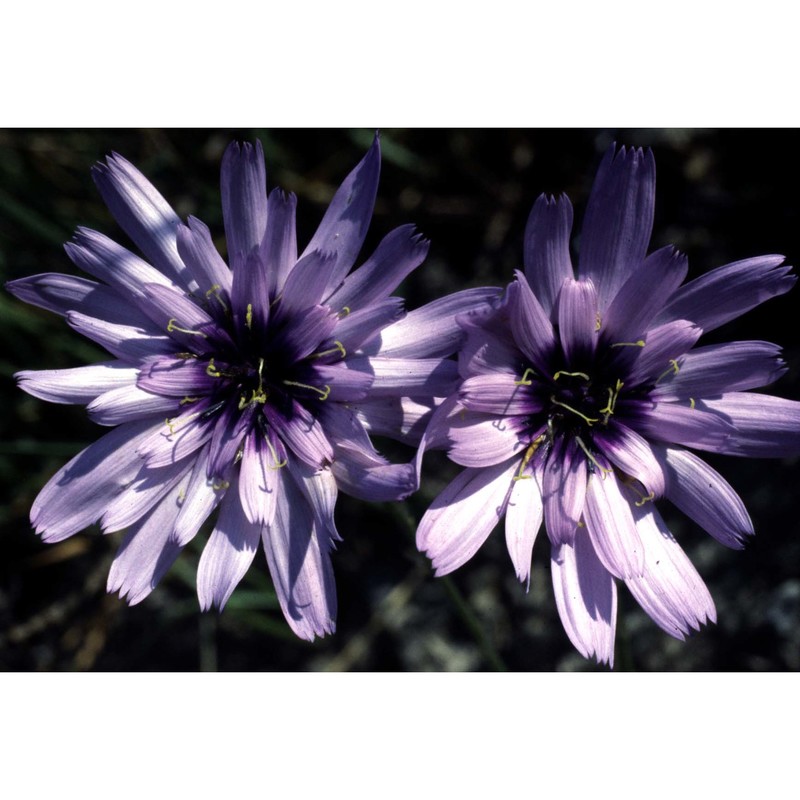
{"points": [[722, 195]]}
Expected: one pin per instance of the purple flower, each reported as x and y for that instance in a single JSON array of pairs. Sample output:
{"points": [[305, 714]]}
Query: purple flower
{"points": [[244, 385], [581, 402]]}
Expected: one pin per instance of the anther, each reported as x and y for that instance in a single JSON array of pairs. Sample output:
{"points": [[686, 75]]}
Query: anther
{"points": [[171, 326], [589, 420], [571, 374], [638, 343], [212, 370], [219, 485], [186, 400], [691, 402], [645, 499], [344, 312], [613, 394], [524, 380], [598, 321], [248, 320]]}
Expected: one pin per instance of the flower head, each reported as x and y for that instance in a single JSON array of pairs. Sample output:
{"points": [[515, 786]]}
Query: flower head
{"points": [[235, 384], [580, 403]]}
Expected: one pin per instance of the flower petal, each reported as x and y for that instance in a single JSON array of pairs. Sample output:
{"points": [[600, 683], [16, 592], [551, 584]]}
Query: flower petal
{"points": [[76, 384], [130, 344], [359, 327], [546, 254], [643, 295], [523, 520], [146, 552], [564, 490], [298, 555], [531, 327], [62, 293], [611, 526], [375, 483], [400, 418], [260, 480], [498, 393], [129, 403], [208, 268], [243, 184], [432, 331], [728, 292], [619, 219], [764, 426], [397, 256], [301, 433], [434, 377], [461, 518], [663, 345], [632, 453], [202, 497], [577, 321], [344, 226], [586, 598], [79, 492], [228, 553], [481, 440], [143, 214], [720, 368], [704, 495], [148, 489], [681, 424], [670, 590], [279, 246]]}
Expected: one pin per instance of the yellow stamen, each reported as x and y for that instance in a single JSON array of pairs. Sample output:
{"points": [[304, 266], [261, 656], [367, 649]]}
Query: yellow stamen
{"points": [[645, 499], [638, 343], [526, 459], [612, 401], [212, 370], [171, 326], [339, 348], [597, 321], [589, 420], [215, 291], [571, 374], [691, 402], [218, 485], [344, 312], [273, 452], [322, 392], [525, 381], [673, 368], [604, 470], [248, 320], [186, 400]]}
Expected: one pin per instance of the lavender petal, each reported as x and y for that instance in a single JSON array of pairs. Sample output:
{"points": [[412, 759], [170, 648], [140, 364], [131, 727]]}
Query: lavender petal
{"points": [[705, 496], [619, 220], [244, 200], [729, 291], [76, 384], [523, 520], [546, 254], [461, 518], [586, 598]]}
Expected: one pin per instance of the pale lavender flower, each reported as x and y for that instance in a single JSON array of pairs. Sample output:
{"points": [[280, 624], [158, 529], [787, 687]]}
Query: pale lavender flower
{"points": [[581, 401], [241, 385]]}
